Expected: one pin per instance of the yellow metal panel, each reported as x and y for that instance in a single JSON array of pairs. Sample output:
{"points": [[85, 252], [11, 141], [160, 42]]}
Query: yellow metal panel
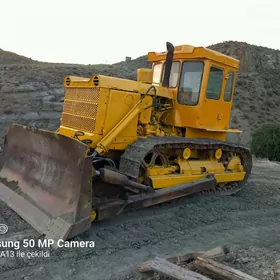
{"points": [[120, 143], [102, 110], [145, 75], [67, 80], [202, 133], [165, 181], [230, 177], [145, 116], [120, 102], [115, 83], [158, 170], [200, 166], [122, 125], [194, 167]]}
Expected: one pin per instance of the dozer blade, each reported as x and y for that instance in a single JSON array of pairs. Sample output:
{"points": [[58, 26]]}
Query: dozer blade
{"points": [[47, 179]]}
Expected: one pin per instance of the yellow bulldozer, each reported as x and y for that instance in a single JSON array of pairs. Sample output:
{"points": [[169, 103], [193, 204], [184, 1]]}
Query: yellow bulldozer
{"points": [[125, 144]]}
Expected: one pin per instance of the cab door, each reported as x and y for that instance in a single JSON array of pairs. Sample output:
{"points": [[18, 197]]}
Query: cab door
{"points": [[228, 95], [213, 112]]}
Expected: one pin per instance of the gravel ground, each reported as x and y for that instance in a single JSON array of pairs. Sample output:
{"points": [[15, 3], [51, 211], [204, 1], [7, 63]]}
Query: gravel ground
{"points": [[248, 223]]}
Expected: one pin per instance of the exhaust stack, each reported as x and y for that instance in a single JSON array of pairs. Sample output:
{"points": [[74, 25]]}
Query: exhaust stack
{"points": [[168, 65]]}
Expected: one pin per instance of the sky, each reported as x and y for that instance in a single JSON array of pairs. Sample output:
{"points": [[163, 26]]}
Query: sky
{"points": [[106, 31]]}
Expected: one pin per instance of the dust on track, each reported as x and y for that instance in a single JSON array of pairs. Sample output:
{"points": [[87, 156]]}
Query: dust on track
{"points": [[247, 222]]}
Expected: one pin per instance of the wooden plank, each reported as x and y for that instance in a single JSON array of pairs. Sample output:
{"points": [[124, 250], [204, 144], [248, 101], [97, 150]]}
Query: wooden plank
{"points": [[220, 271], [174, 271], [186, 258], [276, 270], [215, 252]]}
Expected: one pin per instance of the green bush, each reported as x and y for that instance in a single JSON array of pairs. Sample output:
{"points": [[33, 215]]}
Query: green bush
{"points": [[266, 142]]}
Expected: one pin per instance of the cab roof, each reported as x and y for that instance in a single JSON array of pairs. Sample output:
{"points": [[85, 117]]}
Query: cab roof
{"points": [[191, 52]]}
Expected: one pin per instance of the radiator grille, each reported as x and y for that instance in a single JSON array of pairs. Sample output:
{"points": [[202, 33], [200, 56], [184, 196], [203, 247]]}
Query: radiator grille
{"points": [[80, 108], [80, 93]]}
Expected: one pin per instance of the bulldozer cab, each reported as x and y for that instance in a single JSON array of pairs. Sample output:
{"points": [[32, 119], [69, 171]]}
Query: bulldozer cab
{"points": [[202, 81]]}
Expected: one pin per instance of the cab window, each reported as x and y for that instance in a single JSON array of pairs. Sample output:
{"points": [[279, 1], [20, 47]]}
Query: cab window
{"points": [[174, 74], [190, 82], [229, 87], [215, 81], [157, 73]]}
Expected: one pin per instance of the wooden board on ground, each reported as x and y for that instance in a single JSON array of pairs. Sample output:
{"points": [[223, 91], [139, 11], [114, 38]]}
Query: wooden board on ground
{"points": [[202, 262], [186, 258], [220, 271], [174, 271]]}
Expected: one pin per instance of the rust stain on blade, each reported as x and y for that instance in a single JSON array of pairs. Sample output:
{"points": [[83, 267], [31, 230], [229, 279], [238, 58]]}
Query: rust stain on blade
{"points": [[47, 172]]}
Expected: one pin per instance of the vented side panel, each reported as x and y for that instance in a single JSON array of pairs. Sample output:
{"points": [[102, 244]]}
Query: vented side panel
{"points": [[80, 108], [78, 122], [81, 93]]}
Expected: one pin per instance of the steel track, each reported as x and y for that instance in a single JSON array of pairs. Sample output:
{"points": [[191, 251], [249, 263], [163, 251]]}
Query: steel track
{"points": [[131, 160]]}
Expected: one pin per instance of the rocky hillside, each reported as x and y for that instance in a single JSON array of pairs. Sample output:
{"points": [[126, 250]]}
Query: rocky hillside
{"points": [[31, 92], [253, 58], [12, 58]]}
